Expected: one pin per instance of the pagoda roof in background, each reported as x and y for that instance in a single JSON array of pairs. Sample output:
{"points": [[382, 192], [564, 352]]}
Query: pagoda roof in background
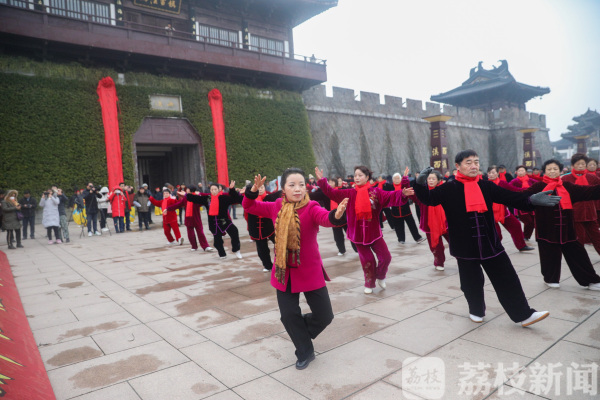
{"points": [[587, 124], [490, 86], [562, 144]]}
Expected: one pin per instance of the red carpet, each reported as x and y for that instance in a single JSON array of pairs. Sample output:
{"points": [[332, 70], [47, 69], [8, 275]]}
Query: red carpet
{"points": [[22, 372]]}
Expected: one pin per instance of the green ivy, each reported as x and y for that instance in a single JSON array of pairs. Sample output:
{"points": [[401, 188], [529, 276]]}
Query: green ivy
{"points": [[52, 132]]}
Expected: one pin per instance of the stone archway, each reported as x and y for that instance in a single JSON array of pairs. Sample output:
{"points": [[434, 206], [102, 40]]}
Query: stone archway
{"points": [[168, 150]]}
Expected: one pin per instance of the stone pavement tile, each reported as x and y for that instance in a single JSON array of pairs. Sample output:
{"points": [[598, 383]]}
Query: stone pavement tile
{"points": [[68, 277], [86, 376], [564, 379], [348, 300], [265, 388], [184, 381], [429, 273], [32, 283], [46, 320], [465, 365], [450, 287], [160, 287], [532, 286], [122, 296], [136, 282], [567, 305], [176, 333], [569, 284], [226, 395], [245, 330], [77, 292], [206, 319], [144, 312], [536, 272], [459, 306], [75, 330], [199, 302], [382, 391], [502, 333], [425, 332], [347, 327], [40, 298], [121, 391], [62, 304], [404, 305], [344, 370], [342, 283], [73, 351], [247, 308], [260, 289], [506, 392], [269, 354], [587, 333], [166, 296], [96, 310], [125, 338], [45, 289], [218, 362]]}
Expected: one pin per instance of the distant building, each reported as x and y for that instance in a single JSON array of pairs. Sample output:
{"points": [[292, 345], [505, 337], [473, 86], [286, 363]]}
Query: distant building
{"points": [[582, 137]]}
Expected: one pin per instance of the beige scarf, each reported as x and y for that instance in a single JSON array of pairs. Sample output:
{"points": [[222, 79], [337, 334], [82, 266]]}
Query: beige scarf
{"points": [[287, 235]]}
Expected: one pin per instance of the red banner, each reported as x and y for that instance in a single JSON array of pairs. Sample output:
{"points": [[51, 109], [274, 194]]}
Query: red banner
{"points": [[22, 372], [215, 100], [107, 96]]}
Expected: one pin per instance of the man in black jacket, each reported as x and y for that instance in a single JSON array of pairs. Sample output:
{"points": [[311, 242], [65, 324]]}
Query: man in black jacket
{"points": [[91, 196], [28, 206], [468, 203]]}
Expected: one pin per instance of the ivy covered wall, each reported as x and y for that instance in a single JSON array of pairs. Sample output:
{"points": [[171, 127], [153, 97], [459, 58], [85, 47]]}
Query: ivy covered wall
{"points": [[51, 128]]}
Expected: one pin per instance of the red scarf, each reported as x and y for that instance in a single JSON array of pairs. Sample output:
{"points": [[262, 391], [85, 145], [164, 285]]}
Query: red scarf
{"points": [[524, 181], [502, 176], [333, 205], [261, 197], [165, 203], [499, 209], [436, 219], [380, 184], [397, 187], [362, 207], [581, 177], [213, 210], [557, 184], [473, 196], [189, 209]]}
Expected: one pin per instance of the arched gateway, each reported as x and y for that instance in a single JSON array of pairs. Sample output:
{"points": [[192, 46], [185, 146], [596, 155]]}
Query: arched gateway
{"points": [[168, 150]]}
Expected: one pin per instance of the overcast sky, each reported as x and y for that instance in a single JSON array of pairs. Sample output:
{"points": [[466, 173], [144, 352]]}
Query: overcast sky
{"points": [[418, 48]]}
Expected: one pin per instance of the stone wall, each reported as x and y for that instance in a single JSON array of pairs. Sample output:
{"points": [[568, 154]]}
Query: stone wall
{"points": [[388, 137]]}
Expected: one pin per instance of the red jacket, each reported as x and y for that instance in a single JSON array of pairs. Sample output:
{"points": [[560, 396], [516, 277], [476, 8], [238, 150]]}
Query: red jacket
{"points": [[171, 216], [118, 203]]}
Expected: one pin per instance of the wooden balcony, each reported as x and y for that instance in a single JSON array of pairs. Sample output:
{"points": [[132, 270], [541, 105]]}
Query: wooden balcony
{"points": [[146, 48]]}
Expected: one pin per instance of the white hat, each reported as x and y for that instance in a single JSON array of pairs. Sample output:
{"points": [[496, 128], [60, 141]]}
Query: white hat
{"points": [[145, 185]]}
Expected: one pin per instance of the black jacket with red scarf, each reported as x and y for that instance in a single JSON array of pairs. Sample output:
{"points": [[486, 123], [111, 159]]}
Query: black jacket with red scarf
{"points": [[217, 224], [260, 228]]}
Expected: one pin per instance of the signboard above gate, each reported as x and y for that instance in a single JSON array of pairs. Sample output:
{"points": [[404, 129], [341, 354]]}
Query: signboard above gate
{"points": [[170, 6]]}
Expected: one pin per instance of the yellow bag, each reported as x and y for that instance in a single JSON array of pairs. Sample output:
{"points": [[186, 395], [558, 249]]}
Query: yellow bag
{"points": [[157, 211], [132, 214], [79, 215]]}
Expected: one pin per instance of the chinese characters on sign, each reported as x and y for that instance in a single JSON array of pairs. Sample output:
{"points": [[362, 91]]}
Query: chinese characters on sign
{"points": [[171, 6], [165, 103], [439, 143]]}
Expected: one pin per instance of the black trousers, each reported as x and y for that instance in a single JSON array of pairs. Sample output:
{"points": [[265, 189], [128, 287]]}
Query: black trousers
{"points": [[12, 234], [339, 235], [143, 219], [28, 222], [264, 253], [56, 230], [388, 215], [412, 227], [233, 233], [505, 280], [576, 257], [303, 328]]}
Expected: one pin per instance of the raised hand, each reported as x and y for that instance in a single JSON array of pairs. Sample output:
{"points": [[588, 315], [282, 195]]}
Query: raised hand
{"points": [[318, 173], [232, 185], [408, 191], [258, 182], [406, 171], [181, 193], [422, 179], [544, 199], [341, 208]]}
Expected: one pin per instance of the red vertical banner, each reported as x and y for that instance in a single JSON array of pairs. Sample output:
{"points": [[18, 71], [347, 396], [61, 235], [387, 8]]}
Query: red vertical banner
{"points": [[107, 96], [215, 100]]}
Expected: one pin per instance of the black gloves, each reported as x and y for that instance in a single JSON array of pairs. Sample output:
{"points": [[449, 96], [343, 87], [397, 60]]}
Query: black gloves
{"points": [[422, 179], [544, 199]]}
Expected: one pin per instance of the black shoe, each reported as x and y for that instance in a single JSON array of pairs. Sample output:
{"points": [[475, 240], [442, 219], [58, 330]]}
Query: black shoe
{"points": [[11, 247], [129, 230], [68, 240], [20, 246], [25, 238], [526, 248], [304, 364], [32, 237]]}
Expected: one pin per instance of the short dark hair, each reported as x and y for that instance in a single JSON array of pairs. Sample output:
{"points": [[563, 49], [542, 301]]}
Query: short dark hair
{"points": [[365, 170], [215, 184], [192, 188], [437, 173], [501, 166], [552, 161], [464, 154], [291, 171], [520, 166], [594, 160], [578, 157], [491, 167], [535, 168], [27, 192]]}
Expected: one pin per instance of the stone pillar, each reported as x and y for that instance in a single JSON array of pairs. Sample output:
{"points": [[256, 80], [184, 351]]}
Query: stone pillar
{"points": [[582, 144], [439, 142], [528, 147]]}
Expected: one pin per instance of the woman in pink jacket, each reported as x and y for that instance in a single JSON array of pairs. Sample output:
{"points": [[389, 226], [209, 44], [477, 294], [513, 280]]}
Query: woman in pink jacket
{"points": [[298, 264]]}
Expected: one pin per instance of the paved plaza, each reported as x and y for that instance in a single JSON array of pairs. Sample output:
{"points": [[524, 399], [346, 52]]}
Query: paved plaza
{"points": [[128, 317]]}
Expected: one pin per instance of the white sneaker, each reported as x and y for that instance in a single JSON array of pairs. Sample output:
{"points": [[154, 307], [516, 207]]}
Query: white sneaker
{"points": [[340, 254], [104, 229], [173, 243], [381, 283], [475, 318], [421, 240], [180, 241], [594, 286], [90, 234], [368, 290], [97, 233], [208, 249], [535, 317], [266, 270], [439, 268], [238, 254], [193, 249], [223, 257], [552, 285]]}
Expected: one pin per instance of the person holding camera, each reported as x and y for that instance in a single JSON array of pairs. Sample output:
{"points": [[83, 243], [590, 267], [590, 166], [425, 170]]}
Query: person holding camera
{"points": [[103, 208], [51, 218], [10, 221], [62, 213], [91, 196], [28, 206], [118, 203]]}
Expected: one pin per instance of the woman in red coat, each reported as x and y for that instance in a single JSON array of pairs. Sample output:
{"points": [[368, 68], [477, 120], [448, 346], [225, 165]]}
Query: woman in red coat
{"points": [[298, 265], [118, 204]]}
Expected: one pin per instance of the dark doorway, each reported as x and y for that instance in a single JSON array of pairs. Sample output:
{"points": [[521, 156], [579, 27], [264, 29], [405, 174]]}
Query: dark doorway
{"points": [[168, 150]]}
